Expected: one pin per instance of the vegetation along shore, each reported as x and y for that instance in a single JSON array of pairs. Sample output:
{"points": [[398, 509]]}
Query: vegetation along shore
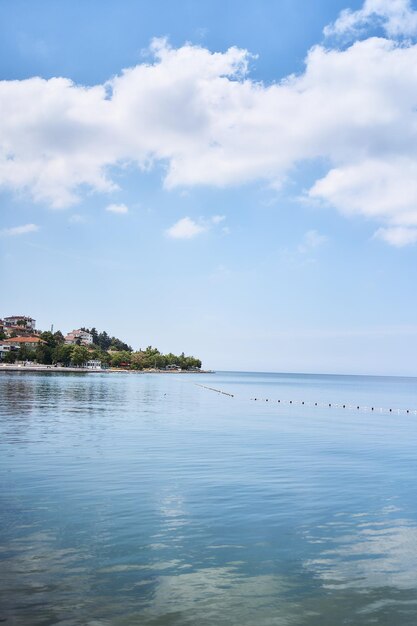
{"points": [[21, 344]]}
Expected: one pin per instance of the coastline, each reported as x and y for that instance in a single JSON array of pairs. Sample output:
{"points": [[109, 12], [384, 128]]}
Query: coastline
{"points": [[85, 370]]}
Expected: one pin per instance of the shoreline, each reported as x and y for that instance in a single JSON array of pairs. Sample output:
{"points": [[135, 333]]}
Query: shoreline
{"points": [[85, 370]]}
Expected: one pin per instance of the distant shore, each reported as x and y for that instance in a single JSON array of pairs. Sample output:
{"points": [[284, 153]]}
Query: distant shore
{"points": [[5, 367]]}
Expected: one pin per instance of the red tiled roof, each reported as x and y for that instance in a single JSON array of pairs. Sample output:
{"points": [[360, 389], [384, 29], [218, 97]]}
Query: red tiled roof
{"points": [[24, 340]]}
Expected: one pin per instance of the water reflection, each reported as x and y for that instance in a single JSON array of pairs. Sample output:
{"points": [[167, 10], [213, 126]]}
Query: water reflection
{"points": [[143, 500], [363, 552]]}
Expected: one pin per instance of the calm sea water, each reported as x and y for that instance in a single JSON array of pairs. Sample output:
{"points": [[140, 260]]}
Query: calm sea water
{"points": [[146, 499]]}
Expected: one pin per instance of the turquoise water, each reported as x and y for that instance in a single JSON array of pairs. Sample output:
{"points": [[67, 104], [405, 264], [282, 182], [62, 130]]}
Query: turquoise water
{"points": [[146, 499]]}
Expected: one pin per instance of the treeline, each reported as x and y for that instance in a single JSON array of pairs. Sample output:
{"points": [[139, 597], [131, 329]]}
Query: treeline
{"points": [[105, 342], [55, 351], [151, 358], [51, 352]]}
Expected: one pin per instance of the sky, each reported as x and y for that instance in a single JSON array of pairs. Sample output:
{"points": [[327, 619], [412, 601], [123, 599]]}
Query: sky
{"points": [[235, 180]]}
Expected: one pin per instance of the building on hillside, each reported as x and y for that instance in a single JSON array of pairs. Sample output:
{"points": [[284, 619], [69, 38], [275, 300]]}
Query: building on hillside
{"points": [[20, 321], [18, 331], [5, 348], [13, 345], [81, 337], [27, 342]]}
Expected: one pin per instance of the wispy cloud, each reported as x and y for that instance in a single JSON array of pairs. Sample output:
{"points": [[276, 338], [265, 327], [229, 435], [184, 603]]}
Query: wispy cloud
{"points": [[19, 230], [77, 218], [303, 254], [312, 239], [397, 236], [187, 228], [121, 209]]}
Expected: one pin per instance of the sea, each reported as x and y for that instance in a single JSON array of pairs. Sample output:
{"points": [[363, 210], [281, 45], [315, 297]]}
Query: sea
{"points": [[223, 499]]}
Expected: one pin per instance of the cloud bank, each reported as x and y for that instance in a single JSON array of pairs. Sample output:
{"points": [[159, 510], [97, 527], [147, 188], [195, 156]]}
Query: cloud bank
{"points": [[198, 113]]}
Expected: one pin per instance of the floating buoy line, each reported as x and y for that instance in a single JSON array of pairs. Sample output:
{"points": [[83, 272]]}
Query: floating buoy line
{"points": [[321, 405], [216, 390]]}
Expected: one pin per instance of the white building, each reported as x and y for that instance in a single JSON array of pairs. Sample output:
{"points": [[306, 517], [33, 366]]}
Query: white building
{"points": [[79, 336], [5, 348], [21, 321], [93, 364]]}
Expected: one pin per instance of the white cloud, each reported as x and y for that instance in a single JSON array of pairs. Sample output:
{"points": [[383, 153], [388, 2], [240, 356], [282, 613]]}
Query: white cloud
{"points": [[396, 17], [76, 218], [19, 230], [311, 240], [383, 189], [397, 236], [121, 209], [185, 228], [354, 109]]}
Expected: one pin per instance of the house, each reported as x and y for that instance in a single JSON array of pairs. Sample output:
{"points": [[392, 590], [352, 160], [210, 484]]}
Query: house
{"points": [[20, 321], [17, 331], [27, 342], [80, 337], [13, 345], [5, 348]]}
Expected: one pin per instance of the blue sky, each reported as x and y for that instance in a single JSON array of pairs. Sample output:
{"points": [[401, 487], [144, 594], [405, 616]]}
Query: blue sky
{"points": [[246, 191]]}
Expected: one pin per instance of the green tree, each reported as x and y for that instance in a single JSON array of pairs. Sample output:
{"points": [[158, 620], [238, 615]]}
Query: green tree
{"points": [[103, 340], [137, 359], [10, 357], [94, 333], [43, 354], [62, 354], [116, 344], [79, 355], [58, 338], [24, 354], [49, 338], [120, 358]]}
